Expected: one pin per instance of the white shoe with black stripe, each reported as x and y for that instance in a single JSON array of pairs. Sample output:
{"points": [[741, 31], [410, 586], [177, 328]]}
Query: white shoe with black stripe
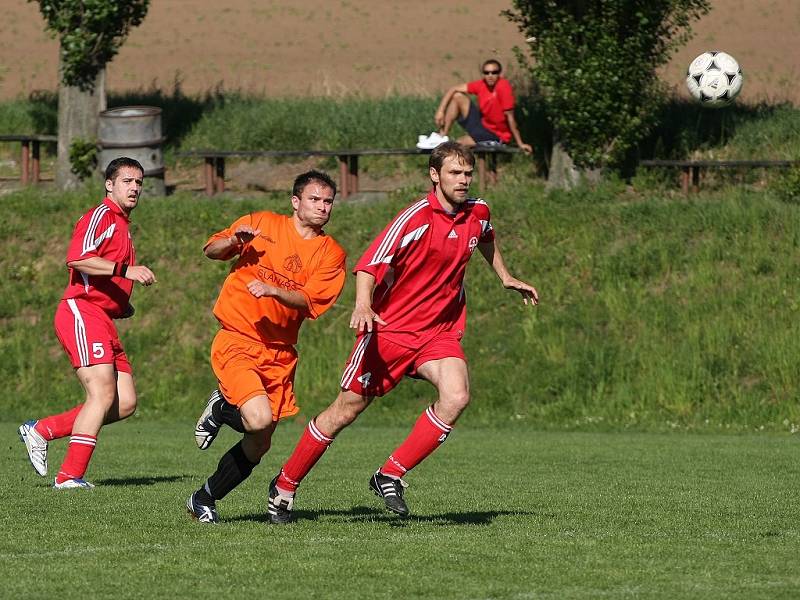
{"points": [[207, 428], [391, 490], [279, 508], [203, 513]]}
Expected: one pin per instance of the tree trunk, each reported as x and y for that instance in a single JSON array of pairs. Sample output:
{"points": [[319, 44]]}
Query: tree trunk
{"points": [[563, 174], [78, 116]]}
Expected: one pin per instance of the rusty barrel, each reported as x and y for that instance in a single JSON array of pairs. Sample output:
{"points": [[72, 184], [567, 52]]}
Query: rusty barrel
{"points": [[135, 132]]}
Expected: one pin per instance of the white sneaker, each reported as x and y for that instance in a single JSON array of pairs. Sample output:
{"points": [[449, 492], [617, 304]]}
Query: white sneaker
{"points": [[72, 484], [206, 429], [36, 445], [433, 140]]}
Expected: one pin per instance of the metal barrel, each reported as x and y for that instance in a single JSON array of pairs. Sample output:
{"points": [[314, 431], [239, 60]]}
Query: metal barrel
{"points": [[135, 132]]}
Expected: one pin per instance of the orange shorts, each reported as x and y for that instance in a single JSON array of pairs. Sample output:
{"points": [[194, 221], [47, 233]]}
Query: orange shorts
{"points": [[246, 369]]}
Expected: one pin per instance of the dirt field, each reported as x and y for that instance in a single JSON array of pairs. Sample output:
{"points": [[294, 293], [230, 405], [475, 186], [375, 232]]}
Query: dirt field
{"points": [[318, 47]]}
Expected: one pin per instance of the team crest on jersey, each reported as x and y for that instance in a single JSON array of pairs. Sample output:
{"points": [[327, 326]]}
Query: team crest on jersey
{"points": [[473, 242], [293, 264]]}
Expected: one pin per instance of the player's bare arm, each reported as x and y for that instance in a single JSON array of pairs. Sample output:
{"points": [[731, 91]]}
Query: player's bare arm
{"points": [[227, 248], [96, 265], [439, 116], [491, 253], [292, 299], [512, 125], [363, 316]]}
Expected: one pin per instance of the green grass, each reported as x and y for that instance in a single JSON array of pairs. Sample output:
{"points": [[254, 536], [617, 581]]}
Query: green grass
{"points": [[658, 312], [497, 513]]}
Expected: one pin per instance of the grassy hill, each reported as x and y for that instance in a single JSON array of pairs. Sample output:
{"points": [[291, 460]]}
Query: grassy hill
{"points": [[657, 311]]}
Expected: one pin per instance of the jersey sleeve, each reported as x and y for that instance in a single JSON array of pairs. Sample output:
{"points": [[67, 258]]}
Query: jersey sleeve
{"points": [[382, 252], [227, 233], [485, 217], [505, 96], [473, 87], [91, 235], [326, 283]]}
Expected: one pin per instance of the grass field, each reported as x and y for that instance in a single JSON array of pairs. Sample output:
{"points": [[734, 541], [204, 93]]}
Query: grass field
{"points": [[496, 513], [658, 311]]}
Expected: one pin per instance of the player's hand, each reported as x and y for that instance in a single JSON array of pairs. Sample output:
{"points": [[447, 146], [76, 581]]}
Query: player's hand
{"points": [[129, 312], [363, 317], [259, 289], [438, 118], [526, 148], [528, 292], [243, 234], [141, 274]]}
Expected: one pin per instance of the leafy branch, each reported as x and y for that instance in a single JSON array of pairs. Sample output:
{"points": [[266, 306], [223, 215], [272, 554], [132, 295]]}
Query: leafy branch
{"points": [[90, 32]]}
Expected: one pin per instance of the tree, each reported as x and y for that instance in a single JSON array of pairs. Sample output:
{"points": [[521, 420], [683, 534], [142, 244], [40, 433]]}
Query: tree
{"points": [[596, 64], [90, 33]]}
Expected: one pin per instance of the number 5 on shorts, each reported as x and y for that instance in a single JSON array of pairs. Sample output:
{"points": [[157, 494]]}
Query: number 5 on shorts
{"points": [[97, 350]]}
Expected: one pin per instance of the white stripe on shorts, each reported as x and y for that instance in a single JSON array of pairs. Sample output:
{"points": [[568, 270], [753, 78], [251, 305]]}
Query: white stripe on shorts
{"points": [[80, 333], [352, 367]]}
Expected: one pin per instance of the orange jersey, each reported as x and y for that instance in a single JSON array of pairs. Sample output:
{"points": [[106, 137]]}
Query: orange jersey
{"points": [[278, 256]]}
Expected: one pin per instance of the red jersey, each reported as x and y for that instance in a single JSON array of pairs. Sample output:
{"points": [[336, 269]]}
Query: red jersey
{"points": [[493, 103], [103, 231], [418, 262]]}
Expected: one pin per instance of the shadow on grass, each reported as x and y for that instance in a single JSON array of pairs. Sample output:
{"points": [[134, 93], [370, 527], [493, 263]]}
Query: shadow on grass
{"points": [[364, 514], [129, 481]]}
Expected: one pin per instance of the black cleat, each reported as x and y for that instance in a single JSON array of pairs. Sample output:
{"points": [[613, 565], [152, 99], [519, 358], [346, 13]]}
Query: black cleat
{"points": [[203, 513], [391, 490], [279, 507], [207, 428]]}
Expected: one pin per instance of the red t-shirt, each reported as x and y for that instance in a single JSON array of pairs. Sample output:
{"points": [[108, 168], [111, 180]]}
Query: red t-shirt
{"points": [[419, 261], [493, 104], [102, 231]]}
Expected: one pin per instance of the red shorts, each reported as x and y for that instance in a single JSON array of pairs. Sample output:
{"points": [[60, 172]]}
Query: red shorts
{"points": [[88, 335], [377, 365]]}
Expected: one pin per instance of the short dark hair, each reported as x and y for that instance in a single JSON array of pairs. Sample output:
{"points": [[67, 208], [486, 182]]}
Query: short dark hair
{"points": [[492, 61], [446, 149], [118, 163], [302, 180]]}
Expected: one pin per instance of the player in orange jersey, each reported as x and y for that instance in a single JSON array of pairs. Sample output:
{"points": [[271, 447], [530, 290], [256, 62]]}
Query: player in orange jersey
{"points": [[287, 270]]}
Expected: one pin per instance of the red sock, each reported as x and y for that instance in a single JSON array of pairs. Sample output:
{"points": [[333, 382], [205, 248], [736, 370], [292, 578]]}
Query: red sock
{"points": [[58, 426], [309, 449], [79, 452], [428, 433]]}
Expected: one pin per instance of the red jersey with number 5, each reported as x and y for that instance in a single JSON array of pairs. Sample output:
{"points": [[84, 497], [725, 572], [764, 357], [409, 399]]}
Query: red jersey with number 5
{"points": [[418, 262], [103, 231]]}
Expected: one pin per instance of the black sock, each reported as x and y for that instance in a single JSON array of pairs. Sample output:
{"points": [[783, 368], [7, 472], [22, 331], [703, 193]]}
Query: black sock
{"points": [[226, 413], [233, 469]]}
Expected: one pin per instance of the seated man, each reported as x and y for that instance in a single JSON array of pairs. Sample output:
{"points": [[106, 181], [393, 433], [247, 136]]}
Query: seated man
{"points": [[491, 122]]}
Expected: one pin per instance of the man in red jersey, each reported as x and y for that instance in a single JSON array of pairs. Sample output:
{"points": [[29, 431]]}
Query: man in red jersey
{"points": [[491, 122], [102, 271], [410, 315]]}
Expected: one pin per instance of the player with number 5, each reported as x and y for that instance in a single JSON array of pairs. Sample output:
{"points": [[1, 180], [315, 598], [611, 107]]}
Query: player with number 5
{"points": [[102, 271]]}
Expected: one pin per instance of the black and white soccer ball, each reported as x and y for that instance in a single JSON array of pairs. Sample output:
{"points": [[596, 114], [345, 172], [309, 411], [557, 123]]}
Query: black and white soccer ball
{"points": [[714, 79]]}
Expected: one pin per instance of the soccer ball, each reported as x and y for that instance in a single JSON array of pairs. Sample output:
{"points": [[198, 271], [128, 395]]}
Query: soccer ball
{"points": [[714, 79]]}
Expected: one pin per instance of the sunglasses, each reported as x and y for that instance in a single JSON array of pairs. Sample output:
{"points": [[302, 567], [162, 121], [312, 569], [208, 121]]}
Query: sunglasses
{"points": [[491, 72]]}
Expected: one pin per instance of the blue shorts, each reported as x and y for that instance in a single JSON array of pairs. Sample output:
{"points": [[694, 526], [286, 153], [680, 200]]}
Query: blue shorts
{"points": [[473, 126]]}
